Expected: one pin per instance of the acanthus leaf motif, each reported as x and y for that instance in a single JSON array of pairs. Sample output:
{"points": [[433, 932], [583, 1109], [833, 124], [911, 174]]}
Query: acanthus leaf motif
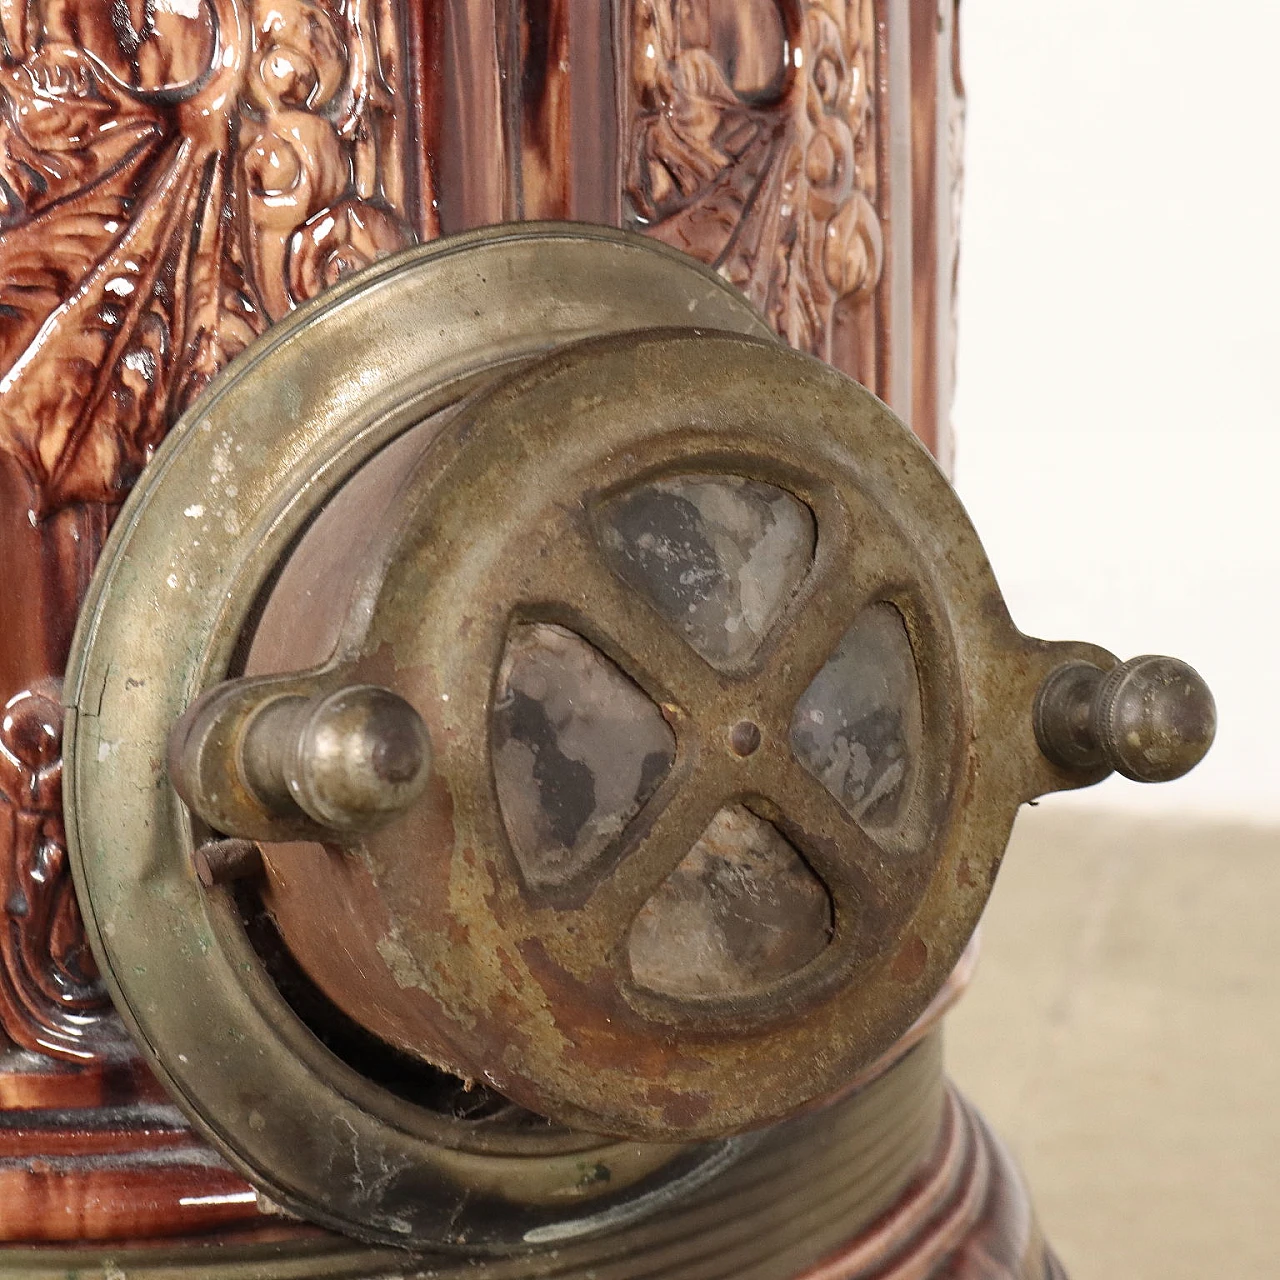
{"points": [[158, 175], [753, 149]]}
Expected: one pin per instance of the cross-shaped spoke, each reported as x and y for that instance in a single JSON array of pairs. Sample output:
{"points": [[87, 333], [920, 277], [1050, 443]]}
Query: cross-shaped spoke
{"points": [[659, 841], [849, 861], [574, 582], [568, 580], [838, 590]]}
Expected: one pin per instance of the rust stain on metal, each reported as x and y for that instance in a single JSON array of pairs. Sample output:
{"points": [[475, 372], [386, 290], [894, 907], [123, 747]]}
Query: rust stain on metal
{"points": [[910, 962]]}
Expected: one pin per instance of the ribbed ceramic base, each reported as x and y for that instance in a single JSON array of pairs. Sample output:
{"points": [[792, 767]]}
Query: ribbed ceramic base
{"points": [[902, 1181]]}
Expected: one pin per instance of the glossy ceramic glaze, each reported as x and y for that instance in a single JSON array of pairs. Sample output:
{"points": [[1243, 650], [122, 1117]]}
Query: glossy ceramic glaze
{"points": [[174, 177]]}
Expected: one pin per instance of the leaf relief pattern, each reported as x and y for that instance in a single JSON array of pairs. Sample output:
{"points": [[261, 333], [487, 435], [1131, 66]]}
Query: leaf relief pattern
{"points": [[174, 176], [753, 148]]}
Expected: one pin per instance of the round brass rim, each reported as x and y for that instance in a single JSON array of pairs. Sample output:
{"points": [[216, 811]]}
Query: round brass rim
{"points": [[275, 434]]}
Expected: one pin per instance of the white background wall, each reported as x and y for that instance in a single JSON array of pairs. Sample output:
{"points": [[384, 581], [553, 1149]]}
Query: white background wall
{"points": [[1116, 408]]}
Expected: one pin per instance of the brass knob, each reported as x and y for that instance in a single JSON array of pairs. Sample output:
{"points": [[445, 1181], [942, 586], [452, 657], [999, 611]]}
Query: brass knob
{"points": [[262, 764], [1151, 718], [352, 760]]}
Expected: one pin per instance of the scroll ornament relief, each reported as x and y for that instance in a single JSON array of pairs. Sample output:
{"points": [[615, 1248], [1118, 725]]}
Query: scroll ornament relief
{"points": [[753, 149], [50, 999], [174, 176]]}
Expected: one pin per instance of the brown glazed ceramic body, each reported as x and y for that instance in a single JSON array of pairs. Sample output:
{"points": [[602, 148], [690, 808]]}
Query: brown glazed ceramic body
{"points": [[176, 176]]}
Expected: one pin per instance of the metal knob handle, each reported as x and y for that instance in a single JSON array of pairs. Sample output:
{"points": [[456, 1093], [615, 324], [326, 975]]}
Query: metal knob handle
{"points": [[352, 760], [260, 763], [1151, 718]]}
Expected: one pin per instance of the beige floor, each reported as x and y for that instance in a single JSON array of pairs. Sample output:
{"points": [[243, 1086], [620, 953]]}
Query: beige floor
{"points": [[1123, 1033]]}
